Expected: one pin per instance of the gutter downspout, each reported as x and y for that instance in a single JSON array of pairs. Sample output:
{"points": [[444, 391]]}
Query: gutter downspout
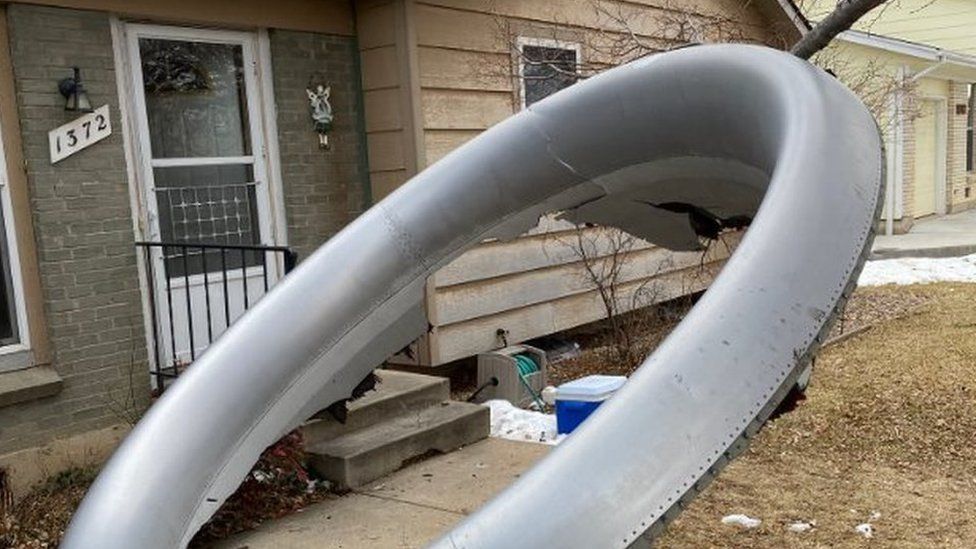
{"points": [[893, 168], [896, 182], [942, 61]]}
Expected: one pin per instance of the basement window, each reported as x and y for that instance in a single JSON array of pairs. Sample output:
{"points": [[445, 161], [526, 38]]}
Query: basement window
{"points": [[545, 67]]}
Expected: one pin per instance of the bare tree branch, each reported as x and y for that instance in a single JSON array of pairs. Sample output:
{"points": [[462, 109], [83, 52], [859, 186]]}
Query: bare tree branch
{"points": [[841, 19]]}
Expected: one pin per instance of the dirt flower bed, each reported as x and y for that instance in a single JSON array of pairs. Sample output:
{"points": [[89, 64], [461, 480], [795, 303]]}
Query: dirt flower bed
{"points": [[39, 519], [278, 484]]}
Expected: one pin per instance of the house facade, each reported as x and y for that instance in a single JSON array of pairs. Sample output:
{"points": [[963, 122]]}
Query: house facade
{"points": [[224, 139], [914, 64], [436, 74]]}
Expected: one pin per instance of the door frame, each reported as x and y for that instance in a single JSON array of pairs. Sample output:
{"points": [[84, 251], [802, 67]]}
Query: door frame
{"points": [[261, 112]]}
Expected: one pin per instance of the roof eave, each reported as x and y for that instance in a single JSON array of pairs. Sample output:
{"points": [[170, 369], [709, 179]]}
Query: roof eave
{"points": [[911, 49]]}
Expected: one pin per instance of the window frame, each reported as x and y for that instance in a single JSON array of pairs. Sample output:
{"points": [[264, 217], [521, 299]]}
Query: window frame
{"points": [[523, 41], [16, 275]]}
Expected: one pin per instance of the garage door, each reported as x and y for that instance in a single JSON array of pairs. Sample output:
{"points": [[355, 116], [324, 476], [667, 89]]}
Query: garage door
{"points": [[926, 149]]}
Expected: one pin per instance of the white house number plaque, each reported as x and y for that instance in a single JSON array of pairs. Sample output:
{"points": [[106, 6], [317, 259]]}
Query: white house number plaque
{"points": [[78, 134]]}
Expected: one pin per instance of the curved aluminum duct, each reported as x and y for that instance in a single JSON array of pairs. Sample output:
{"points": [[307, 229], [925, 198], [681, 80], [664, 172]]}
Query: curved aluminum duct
{"points": [[732, 132]]}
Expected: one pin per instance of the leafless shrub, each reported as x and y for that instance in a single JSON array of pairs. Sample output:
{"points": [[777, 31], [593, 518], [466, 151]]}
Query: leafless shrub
{"points": [[128, 399], [626, 288]]}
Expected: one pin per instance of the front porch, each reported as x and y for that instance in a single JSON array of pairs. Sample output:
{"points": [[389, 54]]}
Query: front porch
{"points": [[406, 509], [934, 236]]}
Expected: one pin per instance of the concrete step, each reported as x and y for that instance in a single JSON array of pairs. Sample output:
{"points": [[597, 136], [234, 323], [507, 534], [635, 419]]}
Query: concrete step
{"points": [[396, 393], [355, 458]]}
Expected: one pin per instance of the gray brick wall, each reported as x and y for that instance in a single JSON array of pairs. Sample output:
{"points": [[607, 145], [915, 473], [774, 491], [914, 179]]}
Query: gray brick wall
{"points": [[83, 226], [324, 190]]}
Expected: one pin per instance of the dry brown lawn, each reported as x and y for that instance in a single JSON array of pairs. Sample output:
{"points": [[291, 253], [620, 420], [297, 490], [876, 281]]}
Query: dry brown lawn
{"points": [[889, 427]]}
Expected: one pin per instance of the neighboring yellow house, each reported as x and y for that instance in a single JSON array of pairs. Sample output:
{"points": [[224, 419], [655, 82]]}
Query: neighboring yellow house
{"points": [[946, 24], [914, 63]]}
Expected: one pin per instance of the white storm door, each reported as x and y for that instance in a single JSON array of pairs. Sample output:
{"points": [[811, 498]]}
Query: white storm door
{"points": [[204, 180]]}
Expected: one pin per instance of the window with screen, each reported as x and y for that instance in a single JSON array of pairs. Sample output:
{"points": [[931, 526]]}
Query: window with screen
{"points": [[200, 139], [546, 69]]}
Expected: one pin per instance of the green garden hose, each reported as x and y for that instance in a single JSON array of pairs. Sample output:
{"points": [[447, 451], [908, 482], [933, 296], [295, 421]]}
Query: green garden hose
{"points": [[526, 365]]}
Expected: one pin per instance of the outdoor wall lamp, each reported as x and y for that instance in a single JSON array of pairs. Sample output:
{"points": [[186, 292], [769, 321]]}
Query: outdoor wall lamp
{"points": [[74, 93]]}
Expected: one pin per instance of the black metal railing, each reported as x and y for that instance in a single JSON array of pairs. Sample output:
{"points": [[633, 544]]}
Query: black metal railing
{"points": [[206, 265]]}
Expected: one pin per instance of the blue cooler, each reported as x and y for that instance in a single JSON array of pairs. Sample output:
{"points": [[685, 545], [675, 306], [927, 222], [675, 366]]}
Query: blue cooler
{"points": [[576, 400]]}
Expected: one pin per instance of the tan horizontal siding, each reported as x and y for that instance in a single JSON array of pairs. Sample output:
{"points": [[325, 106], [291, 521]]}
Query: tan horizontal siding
{"points": [[464, 70], [539, 250], [385, 182], [376, 26], [464, 110], [463, 30], [386, 151], [380, 68], [441, 142], [525, 289], [383, 110], [325, 16], [479, 335], [488, 23], [387, 122], [582, 13]]}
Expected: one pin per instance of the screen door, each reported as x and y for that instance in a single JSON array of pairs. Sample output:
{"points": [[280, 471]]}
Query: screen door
{"points": [[204, 180]]}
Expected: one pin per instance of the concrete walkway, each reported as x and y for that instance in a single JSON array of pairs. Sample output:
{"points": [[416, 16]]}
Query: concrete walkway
{"points": [[945, 236], [406, 509]]}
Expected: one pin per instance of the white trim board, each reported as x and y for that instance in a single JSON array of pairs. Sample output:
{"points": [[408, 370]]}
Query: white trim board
{"points": [[276, 187]]}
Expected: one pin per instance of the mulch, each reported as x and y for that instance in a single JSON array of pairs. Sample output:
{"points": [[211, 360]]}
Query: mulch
{"points": [[279, 484]]}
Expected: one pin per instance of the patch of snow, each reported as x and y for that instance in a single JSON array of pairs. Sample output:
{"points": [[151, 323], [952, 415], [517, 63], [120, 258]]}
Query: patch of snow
{"points": [[549, 395], [312, 485], [865, 529], [918, 270], [741, 520], [800, 526], [512, 423]]}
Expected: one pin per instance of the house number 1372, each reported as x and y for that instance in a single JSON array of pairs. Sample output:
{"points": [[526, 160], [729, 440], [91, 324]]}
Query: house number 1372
{"points": [[79, 133]]}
